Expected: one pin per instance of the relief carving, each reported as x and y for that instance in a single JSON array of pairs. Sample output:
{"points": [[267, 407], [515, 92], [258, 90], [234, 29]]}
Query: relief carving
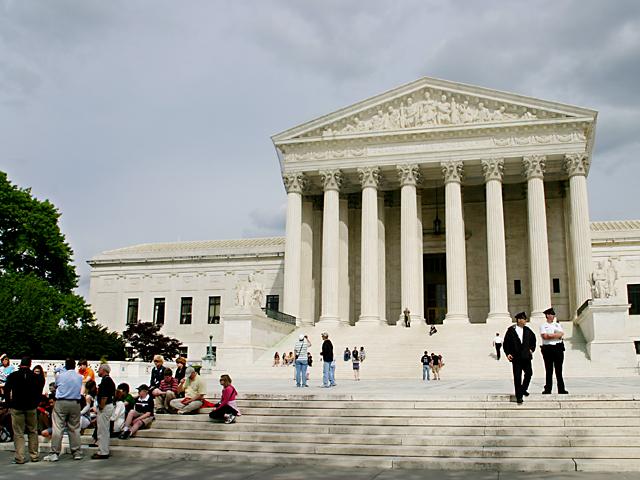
{"points": [[294, 182], [423, 110], [331, 179], [369, 176], [408, 174]]}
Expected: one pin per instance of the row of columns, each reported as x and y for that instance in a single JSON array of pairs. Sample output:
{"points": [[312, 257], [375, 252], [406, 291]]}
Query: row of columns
{"points": [[373, 248]]}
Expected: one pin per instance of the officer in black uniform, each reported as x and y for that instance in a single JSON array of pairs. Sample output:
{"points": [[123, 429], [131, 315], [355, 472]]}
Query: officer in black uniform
{"points": [[519, 345]]}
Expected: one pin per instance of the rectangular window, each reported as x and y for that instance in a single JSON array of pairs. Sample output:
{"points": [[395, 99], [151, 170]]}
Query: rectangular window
{"points": [[556, 285], [186, 307], [132, 311], [214, 310], [158, 311], [183, 352], [633, 297], [636, 343], [273, 302], [517, 287]]}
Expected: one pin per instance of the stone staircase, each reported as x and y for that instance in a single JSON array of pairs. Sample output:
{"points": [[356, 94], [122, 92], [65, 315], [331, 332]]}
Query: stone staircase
{"points": [[476, 432], [395, 351]]}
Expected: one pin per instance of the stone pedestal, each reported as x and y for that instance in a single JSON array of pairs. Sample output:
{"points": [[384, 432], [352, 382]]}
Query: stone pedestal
{"points": [[604, 326], [248, 333]]}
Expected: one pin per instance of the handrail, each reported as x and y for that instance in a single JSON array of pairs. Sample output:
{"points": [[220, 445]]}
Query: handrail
{"points": [[279, 316]]}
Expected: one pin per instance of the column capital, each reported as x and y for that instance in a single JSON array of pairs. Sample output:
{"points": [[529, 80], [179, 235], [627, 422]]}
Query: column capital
{"points": [[294, 182], [369, 176], [533, 166], [408, 174], [577, 164], [452, 171], [331, 179], [492, 168]]}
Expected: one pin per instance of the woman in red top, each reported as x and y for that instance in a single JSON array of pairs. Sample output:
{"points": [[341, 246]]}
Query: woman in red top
{"points": [[226, 410]]}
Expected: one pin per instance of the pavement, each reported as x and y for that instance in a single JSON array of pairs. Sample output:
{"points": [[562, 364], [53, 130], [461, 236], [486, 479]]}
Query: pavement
{"points": [[119, 468]]}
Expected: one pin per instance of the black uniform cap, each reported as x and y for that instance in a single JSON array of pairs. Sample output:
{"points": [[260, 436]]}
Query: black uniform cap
{"points": [[521, 315], [550, 311]]}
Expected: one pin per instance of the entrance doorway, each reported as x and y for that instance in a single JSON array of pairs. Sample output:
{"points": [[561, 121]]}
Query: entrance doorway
{"points": [[435, 287]]}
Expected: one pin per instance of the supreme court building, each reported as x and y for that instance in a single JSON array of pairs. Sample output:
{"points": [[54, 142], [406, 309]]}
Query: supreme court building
{"points": [[460, 203]]}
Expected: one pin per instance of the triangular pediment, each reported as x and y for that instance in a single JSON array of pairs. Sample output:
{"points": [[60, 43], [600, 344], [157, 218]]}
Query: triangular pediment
{"points": [[432, 104]]}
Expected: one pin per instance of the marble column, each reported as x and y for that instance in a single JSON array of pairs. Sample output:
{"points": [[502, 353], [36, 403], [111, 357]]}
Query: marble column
{"points": [[294, 184], [344, 285], [369, 261], [332, 180], [577, 167], [533, 170], [382, 258], [409, 275], [307, 295], [496, 247], [455, 243], [419, 255]]}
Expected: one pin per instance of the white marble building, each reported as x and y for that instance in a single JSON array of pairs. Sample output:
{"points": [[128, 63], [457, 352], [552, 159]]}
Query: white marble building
{"points": [[461, 203]]}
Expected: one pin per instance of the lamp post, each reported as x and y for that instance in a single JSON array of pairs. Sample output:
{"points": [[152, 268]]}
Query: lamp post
{"points": [[209, 359]]}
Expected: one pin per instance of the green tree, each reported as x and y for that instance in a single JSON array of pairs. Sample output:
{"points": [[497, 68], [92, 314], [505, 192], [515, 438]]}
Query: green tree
{"points": [[146, 340], [40, 316]]}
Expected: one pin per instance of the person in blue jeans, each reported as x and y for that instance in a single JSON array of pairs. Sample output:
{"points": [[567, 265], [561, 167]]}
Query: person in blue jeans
{"points": [[426, 366], [300, 353], [329, 363]]}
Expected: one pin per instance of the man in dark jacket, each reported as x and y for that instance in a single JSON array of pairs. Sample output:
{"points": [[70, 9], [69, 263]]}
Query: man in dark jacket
{"points": [[519, 345], [22, 391], [329, 363]]}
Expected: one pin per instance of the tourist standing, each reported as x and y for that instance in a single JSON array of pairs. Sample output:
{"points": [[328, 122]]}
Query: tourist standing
{"points": [[328, 362], [519, 345], [407, 317], [435, 366], [497, 344], [22, 393], [363, 354], [194, 390], [300, 350], [6, 369], [552, 351], [426, 366], [66, 412], [355, 361], [105, 400]]}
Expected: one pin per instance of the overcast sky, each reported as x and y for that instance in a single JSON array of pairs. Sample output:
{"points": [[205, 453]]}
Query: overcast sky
{"points": [[149, 121]]}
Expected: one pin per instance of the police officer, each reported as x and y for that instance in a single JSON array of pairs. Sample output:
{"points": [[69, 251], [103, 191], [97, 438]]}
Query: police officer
{"points": [[552, 351], [519, 345]]}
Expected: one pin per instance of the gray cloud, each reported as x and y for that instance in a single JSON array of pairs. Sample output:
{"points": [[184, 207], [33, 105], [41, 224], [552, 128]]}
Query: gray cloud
{"points": [[150, 120]]}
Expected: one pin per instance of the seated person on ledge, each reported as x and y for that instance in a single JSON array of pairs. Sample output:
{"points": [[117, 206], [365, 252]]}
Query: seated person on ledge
{"points": [[141, 415], [194, 389], [167, 391], [227, 409]]}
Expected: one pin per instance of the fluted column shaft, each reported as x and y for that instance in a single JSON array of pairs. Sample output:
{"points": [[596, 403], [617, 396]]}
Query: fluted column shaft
{"points": [[455, 243], [496, 248], [534, 166], [294, 184], [409, 280], [382, 281], [577, 167], [419, 256], [369, 177], [332, 180]]}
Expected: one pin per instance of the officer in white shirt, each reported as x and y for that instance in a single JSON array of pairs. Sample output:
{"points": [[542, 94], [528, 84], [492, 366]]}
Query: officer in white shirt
{"points": [[497, 343], [552, 351]]}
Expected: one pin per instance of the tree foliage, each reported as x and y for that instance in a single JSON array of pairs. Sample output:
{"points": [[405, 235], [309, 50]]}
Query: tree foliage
{"points": [[146, 340], [40, 316]]}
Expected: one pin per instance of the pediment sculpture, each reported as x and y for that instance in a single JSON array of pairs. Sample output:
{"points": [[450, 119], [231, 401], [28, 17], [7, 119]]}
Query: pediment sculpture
{"points": [[427, 109]]}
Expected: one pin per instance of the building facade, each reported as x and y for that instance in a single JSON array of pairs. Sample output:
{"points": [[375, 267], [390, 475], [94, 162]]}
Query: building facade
{"points": [[459, 203]]}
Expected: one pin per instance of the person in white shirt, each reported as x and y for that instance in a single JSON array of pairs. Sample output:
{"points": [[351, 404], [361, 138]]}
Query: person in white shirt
{"points": [[497, 343], [552, 351]]}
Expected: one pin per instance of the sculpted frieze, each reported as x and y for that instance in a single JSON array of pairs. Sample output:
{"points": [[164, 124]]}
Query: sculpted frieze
{"points": [[519, 140], [431, 108]]}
